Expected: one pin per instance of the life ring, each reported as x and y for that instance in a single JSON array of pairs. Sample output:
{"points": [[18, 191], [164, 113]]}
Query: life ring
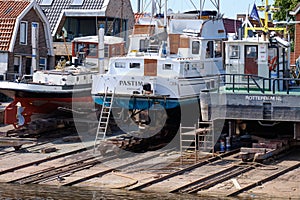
{"points": [[273, 63]]}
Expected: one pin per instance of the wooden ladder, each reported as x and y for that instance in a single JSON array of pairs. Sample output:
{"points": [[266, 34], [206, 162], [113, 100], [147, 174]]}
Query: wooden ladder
{"points": [[188, 144], [206, 140], [104, 116]]}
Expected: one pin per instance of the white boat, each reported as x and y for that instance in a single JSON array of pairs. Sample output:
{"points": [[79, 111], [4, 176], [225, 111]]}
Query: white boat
{"points": [[66, 86], [165, 65]]}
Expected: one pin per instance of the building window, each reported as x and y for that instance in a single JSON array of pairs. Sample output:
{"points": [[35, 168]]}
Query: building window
{"points": [[195, 47], [43, 63], [23, 32], [46, 2], [77, 3], [17, 64]]}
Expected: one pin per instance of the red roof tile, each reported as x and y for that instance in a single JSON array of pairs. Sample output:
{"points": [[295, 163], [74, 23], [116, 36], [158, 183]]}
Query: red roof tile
{"points": [[9, 11]]}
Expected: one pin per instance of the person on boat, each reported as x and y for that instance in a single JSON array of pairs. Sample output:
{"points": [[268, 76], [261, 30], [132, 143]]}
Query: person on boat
{"points": [[61, 63]]}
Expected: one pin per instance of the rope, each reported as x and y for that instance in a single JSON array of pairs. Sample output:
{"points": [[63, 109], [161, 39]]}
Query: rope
{"points": [[127, 185]]}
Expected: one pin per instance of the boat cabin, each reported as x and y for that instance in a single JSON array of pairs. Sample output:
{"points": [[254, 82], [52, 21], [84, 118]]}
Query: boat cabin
{"points": [[260, 59], [85, 50]]}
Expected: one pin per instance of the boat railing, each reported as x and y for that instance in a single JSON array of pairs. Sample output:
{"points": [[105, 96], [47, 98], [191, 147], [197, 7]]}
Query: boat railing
{"points": [[249, 82]]}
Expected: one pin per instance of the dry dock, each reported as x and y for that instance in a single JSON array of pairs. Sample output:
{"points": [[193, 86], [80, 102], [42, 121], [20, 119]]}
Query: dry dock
{"points": [[67, 161]]}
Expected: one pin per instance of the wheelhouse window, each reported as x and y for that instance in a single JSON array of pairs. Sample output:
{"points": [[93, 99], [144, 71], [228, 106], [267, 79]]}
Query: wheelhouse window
{"points": [[218, 49], [134, 65], [144, 45], [210, 49], [23, 32], [92, 50], [234, 52], [120, 65], [167, 66], [195, 47]]}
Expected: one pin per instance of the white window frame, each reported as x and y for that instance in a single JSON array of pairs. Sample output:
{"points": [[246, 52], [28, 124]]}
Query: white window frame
{"points": [[23, 32], [46, 3], [77, 3]]}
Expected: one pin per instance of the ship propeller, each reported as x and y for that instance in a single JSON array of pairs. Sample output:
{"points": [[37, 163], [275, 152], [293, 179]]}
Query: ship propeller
{"points": [[20, 118]]}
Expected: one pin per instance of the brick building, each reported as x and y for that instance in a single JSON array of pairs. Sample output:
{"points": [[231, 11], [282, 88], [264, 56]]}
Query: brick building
{"points": [[25, 40], [296, 53], [78, 18]]}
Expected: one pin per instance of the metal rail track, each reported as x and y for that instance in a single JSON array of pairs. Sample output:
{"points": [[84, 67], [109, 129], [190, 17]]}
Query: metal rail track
{"points": [[264, 180], [182, 171], [42, 160], [109, 170], [213, 179], [51, 173]]}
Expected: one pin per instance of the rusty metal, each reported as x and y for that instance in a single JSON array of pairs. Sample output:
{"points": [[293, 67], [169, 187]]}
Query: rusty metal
{"points": [[211, 180], [41, 161], [106, 171], [264, 180], [179, 172]]}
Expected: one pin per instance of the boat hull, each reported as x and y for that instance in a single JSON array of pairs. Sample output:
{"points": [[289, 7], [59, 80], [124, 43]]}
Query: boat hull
{"points": [[41, 99], [143, 102]]}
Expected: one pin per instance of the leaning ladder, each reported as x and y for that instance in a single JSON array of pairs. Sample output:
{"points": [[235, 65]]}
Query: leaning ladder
{"points": [[188, 144], [205, 135], [104, 116]]}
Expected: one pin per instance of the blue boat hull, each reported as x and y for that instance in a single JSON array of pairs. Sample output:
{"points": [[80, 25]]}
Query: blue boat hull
{"points": [[144, 103]]}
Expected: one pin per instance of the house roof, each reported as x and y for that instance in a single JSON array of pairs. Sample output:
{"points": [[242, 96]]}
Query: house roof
{"points": [[232, 25], [9, 12], [56, 9]]}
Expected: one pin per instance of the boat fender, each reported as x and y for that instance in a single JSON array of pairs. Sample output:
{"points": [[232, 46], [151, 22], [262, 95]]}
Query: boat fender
{"points": [[272, 63], [147, 88], [20, 117]]}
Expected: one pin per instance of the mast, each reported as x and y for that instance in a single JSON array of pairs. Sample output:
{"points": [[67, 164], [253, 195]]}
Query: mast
{"points": [[165, 14], [139, 6], [34, 41], [101, 50], [265, 28]]}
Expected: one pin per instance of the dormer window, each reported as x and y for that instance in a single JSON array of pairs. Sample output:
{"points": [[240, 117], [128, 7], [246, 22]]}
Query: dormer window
{"points": [[46, 2], [77, 3]]}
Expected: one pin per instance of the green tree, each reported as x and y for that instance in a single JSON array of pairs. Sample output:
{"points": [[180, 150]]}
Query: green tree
{"points": [[285, 6]]}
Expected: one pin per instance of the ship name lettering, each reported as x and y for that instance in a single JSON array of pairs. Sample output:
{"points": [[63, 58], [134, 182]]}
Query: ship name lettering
{"points": [[131, 83], [263, 98]]}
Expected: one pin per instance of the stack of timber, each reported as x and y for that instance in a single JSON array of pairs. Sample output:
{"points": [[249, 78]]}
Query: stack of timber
{"points": [[15, 142], [264, 149], [39, 126]]}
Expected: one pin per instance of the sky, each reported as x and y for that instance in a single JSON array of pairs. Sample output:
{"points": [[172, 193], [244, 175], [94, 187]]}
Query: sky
{"points": [[230, 8]]}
